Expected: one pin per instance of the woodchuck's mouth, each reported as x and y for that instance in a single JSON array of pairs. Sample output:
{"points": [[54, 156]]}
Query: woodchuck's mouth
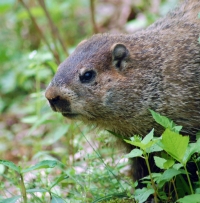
{"points": [[69, 115]]}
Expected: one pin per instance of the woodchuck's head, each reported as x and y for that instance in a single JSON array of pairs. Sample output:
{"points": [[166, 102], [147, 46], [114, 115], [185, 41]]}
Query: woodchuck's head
{"points": [[93, 84]]}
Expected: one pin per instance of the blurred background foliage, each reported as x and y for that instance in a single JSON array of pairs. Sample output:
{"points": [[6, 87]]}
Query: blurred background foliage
{"points": [[37, 35]]}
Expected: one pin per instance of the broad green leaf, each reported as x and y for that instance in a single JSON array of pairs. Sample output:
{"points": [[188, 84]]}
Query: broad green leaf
{"points": [[141, 195], [174, 144], [42, 164], [59, 179], [165, 122], [168, 175], [169, 163], [191, 149], [10, 200], [163, 163], [134, 153], [57, 200], [154, 148], [177, 128], [162, 120], [195, 198], [10, 165], [136, 144], [177, 166], [148, 137], [149, 145], [155, 176], [159, 162]]}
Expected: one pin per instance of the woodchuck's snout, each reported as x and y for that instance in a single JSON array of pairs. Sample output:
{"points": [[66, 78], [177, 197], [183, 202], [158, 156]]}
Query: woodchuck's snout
{"points": [[59, 103]]}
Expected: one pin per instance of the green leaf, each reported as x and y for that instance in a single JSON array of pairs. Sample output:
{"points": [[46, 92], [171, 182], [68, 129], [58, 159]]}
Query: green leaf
{"points": [[195, 198], [163, 163], [148, 137], [177, 128], [42, 164], [177, 166], [191, 149], [10, 165], [162, 120], [168, 175], [59, 179], [10, 200], [154, 147], [159, 162], [136, 143], [134, 153], [174, 144], [147, 144], [165, 122], [141, 195]]}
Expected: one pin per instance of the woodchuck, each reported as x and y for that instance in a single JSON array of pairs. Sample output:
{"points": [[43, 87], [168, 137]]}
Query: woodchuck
{"points": [[112, 80]]}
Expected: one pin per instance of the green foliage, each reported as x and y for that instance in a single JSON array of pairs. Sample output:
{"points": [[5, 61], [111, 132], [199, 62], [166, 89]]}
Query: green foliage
{"points": [[179, 152], [190, 198], [23, 190]]}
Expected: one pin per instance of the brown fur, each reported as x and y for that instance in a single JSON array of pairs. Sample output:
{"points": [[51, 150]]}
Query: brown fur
{"points": [[157, 68]]}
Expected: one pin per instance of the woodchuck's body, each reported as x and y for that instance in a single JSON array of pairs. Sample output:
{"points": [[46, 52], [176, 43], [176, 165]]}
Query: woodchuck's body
{"points": [[112, 80]]}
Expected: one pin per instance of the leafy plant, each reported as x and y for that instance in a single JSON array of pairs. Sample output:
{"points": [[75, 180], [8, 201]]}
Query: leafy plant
{"points": [[20, 176], [179, 152]]}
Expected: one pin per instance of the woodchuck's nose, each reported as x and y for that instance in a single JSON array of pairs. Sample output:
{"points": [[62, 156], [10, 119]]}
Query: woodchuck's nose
{"points": [[55, 99], [53, 96]]}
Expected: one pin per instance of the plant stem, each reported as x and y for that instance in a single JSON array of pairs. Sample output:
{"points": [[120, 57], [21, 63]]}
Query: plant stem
{"points": [[195, 161], [40, 33], [175, 189], [192, 192], [92, 11], [23, 188], [152, 182], [54, 29]]}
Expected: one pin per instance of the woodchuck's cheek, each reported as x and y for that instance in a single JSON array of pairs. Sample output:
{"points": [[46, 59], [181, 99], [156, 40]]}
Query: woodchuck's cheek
{"points": [[107, 99]]}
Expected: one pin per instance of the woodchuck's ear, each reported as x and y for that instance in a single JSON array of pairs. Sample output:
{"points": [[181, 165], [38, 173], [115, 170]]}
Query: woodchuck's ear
{"points": [[119, 54]]}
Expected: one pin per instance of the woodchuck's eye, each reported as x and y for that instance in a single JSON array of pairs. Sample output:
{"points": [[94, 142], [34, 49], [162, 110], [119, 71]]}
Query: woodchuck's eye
{"points": [[87, 76]]}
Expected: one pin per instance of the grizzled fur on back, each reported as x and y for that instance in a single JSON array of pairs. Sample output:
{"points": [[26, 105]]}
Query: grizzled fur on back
{"points": [[112, 80]]}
